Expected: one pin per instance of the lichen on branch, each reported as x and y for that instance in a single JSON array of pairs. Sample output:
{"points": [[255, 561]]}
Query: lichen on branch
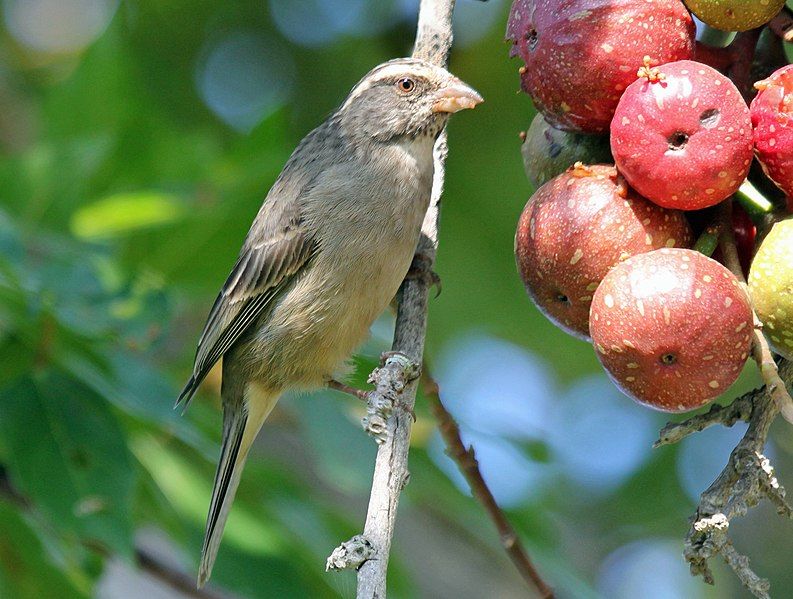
{"points": [[748, 477]]}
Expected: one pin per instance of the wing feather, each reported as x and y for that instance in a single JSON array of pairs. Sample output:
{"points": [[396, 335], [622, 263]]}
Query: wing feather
{"points": [[276, 249]]}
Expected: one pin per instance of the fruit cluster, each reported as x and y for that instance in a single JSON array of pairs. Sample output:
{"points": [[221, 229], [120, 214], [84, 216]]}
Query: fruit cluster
{"points": [[635, 141]]}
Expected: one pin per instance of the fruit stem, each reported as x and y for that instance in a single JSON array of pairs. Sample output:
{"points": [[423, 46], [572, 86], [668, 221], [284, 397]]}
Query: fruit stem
{"points": [[782, 25], [761, 350], [715, 38], [753, 200], [708, 241]]}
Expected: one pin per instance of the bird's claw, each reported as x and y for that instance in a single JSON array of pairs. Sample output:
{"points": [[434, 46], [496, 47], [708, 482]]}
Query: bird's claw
{"points": [[409, 410], [421, 270], [395, 372]]}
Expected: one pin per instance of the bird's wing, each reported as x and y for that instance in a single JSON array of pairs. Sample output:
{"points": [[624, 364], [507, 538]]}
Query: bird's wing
{"points": [[276, 249]]}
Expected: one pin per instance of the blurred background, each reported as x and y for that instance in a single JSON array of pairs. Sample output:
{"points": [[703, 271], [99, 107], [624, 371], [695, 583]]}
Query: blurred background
{"points": [[138, 138]]}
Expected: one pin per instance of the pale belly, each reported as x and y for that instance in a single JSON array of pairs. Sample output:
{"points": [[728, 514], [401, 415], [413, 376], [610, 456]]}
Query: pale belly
{"points": [[318, 324]]}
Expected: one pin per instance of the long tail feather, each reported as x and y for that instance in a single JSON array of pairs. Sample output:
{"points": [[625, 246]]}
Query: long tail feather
{"points": [[240, 427], [187, 393], [227, 478]]}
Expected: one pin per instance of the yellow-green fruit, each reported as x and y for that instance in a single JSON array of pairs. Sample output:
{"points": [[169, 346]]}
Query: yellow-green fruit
{"points": [[735, 15], [771, 287]]}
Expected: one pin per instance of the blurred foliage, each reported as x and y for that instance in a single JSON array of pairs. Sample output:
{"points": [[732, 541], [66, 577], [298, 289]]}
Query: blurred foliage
{"points": [[133, 161]]}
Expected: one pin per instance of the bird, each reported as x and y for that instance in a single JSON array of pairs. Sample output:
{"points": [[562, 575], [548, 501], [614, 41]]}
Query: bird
{"points": [[325, 255]]}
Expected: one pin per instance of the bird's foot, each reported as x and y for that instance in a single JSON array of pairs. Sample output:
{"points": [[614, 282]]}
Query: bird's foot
{"points": [[357, 393], [421, 270], [409, 411]]}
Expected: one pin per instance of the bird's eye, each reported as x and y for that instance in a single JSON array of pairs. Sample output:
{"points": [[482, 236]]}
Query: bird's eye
{"points": [[406, 85]]}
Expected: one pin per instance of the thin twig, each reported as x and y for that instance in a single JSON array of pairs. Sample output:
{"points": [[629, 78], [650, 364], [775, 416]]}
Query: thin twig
{"points": [[179, 581], [148, 562], [433, 42], [465, 458], [746, 479], [740, 410]]}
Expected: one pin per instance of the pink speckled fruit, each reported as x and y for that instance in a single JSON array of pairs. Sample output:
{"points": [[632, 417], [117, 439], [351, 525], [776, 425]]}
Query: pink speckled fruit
{"points": [[575, 228], [772, 120], [581, 54], [682, 135], [672, 328]]}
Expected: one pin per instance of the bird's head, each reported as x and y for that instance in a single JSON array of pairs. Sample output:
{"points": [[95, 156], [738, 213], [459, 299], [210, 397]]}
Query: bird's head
{"points": [[405, 97]]}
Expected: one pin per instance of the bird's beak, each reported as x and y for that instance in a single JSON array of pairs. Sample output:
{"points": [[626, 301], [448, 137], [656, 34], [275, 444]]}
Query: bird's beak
{"points": [[456, 96]]}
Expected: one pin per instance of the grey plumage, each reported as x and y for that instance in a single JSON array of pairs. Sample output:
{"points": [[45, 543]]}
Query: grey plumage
{"points": [[324, 256]]}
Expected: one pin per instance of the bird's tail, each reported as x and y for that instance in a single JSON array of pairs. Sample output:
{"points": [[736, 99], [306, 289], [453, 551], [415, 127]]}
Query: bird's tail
{"points": [[240, 427]]}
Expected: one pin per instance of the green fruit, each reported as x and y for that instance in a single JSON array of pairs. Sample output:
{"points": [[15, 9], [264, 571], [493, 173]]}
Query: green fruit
{"points": [[548, 152], [735, 15], [771, 287]]}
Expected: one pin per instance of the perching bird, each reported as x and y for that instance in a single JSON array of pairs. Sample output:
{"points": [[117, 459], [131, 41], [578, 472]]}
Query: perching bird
{"points": [[325, 255]]}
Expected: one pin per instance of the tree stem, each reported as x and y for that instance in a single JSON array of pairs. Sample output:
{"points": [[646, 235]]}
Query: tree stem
{"points": [[433, 42]]}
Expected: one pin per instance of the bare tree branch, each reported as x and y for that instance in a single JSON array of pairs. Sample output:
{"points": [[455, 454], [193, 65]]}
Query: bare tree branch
{"points": [[465, 458], [782, 25], [748, 476], [740, 409], [393, 414], [177, 580]]}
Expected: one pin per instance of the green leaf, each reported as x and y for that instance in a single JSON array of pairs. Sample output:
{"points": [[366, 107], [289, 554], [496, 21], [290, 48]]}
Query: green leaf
{"points": [[189, 491], [26, 571], [538, 451], [124, 213], [67, 453], [138, 389]]}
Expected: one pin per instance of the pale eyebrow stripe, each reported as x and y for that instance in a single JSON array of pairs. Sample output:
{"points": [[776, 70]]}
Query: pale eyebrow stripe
{"points": [[386, 71]]}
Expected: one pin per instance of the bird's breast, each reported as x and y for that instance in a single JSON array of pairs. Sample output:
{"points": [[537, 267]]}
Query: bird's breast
{"points": [[367, 220]]}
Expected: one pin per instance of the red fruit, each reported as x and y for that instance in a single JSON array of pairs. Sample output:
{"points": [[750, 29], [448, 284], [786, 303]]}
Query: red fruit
{"points": [[773, 129], [672, 328], [681, 135], [575, 228], [581, 54]]}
